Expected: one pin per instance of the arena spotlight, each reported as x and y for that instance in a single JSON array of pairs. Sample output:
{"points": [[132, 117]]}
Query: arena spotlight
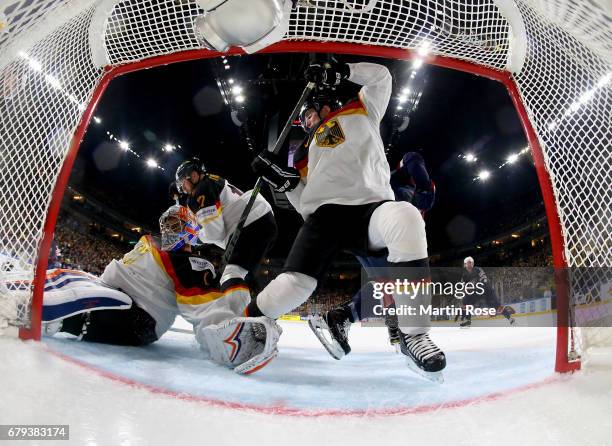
{"points": [[417, 63], [168, 148], [237, 90], [53, 81], [239, 99], [512, 158], [151, 163], [424, 48], [124, 145], [34, 64], [484, 175], [470, 158]]}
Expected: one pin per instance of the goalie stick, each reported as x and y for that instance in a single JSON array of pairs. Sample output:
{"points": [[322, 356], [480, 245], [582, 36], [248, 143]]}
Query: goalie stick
{"points": [[277, 146]]}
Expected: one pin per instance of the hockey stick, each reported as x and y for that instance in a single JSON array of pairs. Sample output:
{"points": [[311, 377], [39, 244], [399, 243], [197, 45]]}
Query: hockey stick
{"points": [[180, 330], [229, 250]]}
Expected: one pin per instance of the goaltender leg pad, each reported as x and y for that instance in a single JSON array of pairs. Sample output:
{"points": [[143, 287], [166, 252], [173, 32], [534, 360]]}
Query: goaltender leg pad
{"points": [[70, 292], [245, 344]]}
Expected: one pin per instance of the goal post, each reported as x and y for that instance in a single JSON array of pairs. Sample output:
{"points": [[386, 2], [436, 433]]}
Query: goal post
{"points": [[552, 56]]}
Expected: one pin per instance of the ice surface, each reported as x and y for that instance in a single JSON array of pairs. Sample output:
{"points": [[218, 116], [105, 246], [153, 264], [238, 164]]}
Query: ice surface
{"points": [[500, 388]]}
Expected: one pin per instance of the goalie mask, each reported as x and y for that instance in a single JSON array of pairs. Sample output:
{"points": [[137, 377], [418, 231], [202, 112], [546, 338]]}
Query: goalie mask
{"points": [[178, 228]]}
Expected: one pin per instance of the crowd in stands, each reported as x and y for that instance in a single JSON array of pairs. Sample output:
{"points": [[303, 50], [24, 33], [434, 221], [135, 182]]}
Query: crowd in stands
{"points": [[75, 247], [523, 256], [80, 245], [507, 217], [524, 275]]}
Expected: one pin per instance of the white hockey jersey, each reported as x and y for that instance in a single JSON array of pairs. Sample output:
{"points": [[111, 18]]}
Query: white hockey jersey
{"points": [[168, 284], [346, 161], [218, 207]]}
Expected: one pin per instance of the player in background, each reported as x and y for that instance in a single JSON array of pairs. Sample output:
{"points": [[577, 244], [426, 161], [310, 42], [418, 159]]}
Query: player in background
{"points": [[475, 274], [410, 182], [136, 300], [345, 197], [218, 206]]}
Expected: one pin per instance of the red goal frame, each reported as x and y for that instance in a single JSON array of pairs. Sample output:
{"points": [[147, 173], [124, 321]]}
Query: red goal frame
{"points": [[562, 363]]}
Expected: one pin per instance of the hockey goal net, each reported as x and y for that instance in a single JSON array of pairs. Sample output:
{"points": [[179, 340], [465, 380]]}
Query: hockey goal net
{"points": [[554, 57]]}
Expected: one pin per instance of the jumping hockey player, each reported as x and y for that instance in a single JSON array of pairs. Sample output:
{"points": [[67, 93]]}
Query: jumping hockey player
{"points": [[410, 182], [218, 206], [475, 274], [347, 203], [137, 298]]}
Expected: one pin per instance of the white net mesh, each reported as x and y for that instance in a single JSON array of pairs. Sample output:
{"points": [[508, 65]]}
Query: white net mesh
{"points": [[48, 75]]}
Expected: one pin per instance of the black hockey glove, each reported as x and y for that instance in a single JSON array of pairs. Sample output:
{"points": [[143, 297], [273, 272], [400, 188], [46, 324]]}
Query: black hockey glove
{"points": [[424, 199], [329, 74], [176, 196], [282, 179]]}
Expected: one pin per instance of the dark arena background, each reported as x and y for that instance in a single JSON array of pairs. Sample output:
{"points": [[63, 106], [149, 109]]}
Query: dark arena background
{"points": [[507, 103], [150, 121]]}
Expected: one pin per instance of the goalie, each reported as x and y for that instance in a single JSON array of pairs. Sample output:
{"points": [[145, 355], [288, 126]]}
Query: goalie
{"points": [[136, 300]]}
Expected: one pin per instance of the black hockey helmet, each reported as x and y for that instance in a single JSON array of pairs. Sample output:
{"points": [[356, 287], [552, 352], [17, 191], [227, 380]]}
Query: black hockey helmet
{"points": [[185, 169], [317, 102]]}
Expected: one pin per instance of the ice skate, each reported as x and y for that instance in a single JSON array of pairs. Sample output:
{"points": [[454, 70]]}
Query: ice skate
{"points": [[507, 312], [332, 330], [465, 324], [423, 356], [393, 331]]}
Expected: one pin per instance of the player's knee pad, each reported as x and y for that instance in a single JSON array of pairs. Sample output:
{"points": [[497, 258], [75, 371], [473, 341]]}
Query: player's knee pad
{"points": [[398, 226], [284, 293]]}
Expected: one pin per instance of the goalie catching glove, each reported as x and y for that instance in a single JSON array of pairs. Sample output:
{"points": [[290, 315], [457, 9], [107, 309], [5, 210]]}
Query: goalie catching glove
{"points": [[245, 344], [282, 179]]}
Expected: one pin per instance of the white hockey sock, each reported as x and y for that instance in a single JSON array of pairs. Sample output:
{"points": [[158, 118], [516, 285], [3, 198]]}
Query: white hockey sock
{"points": [[413, 324], [285, 293]]}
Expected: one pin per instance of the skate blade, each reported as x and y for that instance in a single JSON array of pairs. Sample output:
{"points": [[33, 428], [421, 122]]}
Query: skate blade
{"points": [[434, 377], [319, 327]]}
